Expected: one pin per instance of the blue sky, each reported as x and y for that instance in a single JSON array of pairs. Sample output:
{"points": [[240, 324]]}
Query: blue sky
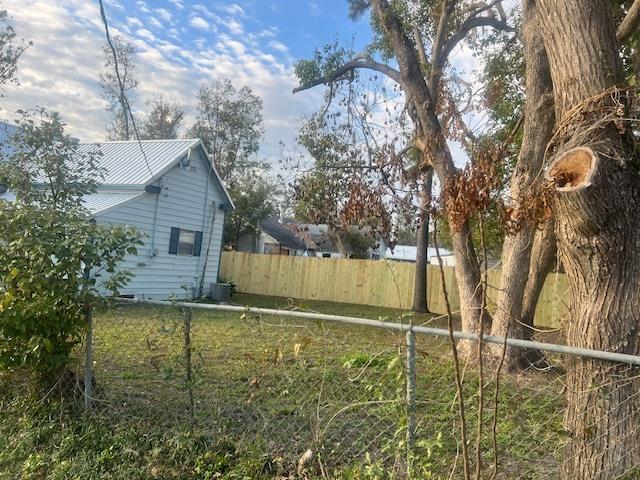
{"points": [[180, 45]]}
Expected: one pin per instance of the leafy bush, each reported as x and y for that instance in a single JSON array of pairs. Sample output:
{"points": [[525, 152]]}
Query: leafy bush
{"points": [[53, 256]]}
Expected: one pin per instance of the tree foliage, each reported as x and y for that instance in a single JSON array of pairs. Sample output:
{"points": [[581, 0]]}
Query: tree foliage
{"points": [[120, 128], [164, 119], [10, 50], [254, 199], [229, 122], [55, 262]]}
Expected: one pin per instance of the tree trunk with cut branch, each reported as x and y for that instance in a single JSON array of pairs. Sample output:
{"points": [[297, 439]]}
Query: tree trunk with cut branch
{"points": [[420, 303], [596, 196], [517, 267]]}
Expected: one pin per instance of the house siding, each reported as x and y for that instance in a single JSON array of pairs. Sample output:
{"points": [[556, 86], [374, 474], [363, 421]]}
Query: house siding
{"points": [[181, 204]]}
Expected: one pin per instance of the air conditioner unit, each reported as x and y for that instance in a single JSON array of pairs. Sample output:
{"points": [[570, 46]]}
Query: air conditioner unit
{"points": [[220, 292]]}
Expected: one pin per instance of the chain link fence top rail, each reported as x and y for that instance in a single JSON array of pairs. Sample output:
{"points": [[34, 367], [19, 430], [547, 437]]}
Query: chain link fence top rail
{"points": [[333, 397]]}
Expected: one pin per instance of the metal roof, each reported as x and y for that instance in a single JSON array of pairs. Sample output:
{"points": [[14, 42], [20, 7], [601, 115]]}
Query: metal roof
{"points": [[124, 163], [101, 201], [126, 166]]}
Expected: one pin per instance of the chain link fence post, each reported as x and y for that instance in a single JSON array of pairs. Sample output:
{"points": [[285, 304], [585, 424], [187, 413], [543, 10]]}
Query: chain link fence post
{"points": [[411, 399], [88, 358], [187, 315]]}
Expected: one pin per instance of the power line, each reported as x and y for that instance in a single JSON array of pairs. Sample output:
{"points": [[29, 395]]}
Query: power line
{"points": [[123, 97]]}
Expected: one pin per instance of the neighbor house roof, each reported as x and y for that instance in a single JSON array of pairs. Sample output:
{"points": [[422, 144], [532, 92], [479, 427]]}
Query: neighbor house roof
{"points": [[281, 234], [316, 236]]}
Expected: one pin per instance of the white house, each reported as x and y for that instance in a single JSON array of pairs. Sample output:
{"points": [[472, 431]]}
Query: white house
{"points": [[407, 253], [173, 194]]}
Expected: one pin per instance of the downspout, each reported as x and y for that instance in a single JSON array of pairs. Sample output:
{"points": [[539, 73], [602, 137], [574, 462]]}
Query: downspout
{"points": [[206, 258], [204, 220], [153, 251], [224, 218]]}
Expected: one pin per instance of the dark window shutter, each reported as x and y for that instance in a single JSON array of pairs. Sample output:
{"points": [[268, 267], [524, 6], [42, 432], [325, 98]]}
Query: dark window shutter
{"points": [[197, 244], [173, 240]]}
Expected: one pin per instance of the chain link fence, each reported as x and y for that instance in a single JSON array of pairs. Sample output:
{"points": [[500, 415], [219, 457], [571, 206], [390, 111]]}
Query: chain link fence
{"points": [[174, 389], [329, 397]]}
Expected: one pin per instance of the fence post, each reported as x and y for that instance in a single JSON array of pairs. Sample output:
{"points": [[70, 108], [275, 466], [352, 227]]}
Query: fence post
{"points": [[187, 314], [88, 359], [411, 399]]}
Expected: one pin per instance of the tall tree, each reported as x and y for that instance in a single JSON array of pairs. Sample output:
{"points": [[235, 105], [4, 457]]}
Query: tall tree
{"points": [[117, 98], [523, 274], [254, 200], [372, 141], [229, 122], [164, 119], [595, 193], [407, 28], [11, 49], [342, 189]]}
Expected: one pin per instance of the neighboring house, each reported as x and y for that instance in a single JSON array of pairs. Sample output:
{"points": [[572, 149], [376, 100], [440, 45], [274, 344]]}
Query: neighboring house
{"points": [[174, 197], [407, 253], [317, 239], [272, 238], [295, 238]]}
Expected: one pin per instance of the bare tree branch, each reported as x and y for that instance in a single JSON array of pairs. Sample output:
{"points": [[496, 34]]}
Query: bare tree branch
{"points": [[438, 62], [350, 66], [420, 46], [629, 23], [468, 25]]}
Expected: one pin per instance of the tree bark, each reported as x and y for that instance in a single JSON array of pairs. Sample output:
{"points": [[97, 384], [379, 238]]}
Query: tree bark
{"points": [[595, 201], [517, 265], [420, 303], [597, 225], [580, 39], [542, 257]]}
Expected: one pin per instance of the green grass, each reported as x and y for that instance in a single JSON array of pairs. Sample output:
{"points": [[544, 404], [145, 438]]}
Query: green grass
{"points": [[266, 389]]}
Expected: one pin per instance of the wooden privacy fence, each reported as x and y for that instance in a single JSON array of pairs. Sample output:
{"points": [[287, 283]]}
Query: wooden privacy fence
{"points": [[381, 283]]}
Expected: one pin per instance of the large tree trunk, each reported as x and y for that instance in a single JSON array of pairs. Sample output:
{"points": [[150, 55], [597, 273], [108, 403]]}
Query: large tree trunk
{"points": [[422, 245], [422, 109], [595, 202], [517, 267], [597, 225]]}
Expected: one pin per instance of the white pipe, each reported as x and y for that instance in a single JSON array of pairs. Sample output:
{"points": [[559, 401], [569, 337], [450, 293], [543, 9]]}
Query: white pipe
{"points": [[403, 327]]}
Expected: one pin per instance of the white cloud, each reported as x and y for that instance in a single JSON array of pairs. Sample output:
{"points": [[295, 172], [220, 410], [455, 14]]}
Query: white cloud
{"points": [[314, 9], [154, 22], [267, 33], [177, 3], [199, 22], [60, 71], [204, 11], [234, 26], [232, 9], [142, 6], [279, 46], [164, 14], [135, 22], [146, 34]]}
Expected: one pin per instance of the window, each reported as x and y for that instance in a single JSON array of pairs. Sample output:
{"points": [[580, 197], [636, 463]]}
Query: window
{"points": [[185, 242], [186, 239]]}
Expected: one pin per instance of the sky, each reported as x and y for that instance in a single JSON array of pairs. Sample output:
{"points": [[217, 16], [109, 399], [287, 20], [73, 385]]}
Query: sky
{"points": [[181, 44]]}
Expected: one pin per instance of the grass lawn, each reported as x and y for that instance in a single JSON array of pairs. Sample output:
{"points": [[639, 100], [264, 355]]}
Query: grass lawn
{"points": [[245, 396]]}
